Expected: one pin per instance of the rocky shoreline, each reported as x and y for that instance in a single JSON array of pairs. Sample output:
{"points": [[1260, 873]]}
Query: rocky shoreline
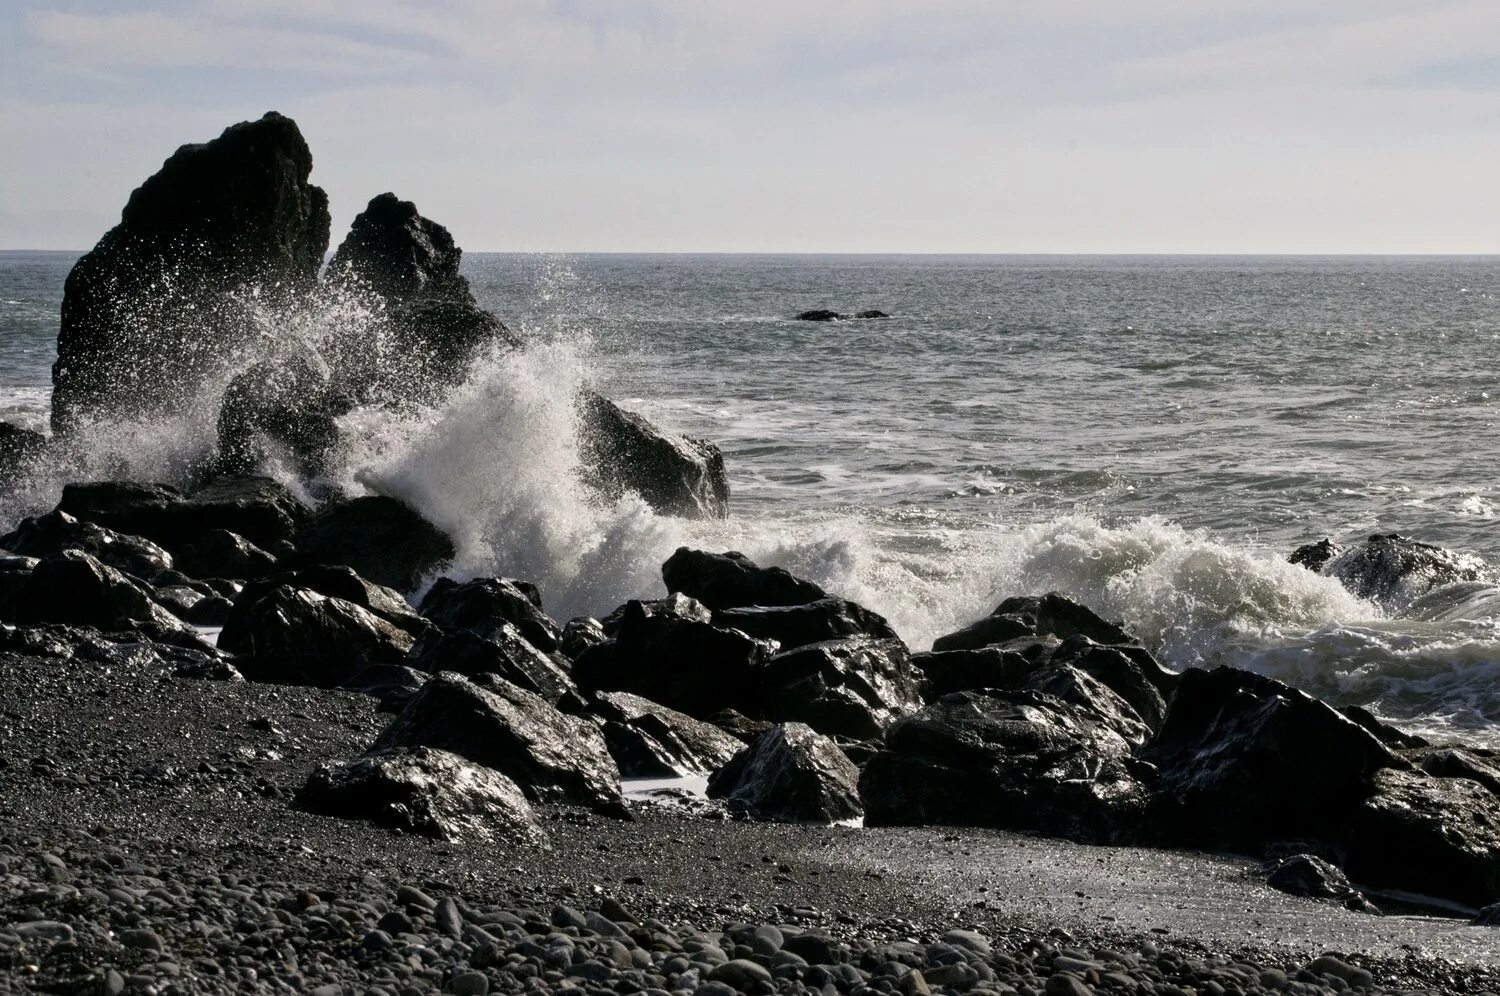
{"points": [[256, 739]]}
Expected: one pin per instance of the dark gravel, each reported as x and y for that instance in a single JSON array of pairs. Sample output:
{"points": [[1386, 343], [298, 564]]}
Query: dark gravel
{"points": [[148, 843]]}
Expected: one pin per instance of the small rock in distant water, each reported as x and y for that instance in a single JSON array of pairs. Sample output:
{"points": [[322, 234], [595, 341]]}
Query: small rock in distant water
{"points": [[871, 313], [820, 315]]}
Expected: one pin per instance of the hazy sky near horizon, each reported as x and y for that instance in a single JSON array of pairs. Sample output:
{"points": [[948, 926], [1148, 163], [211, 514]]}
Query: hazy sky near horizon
{"points": [[792, 125]]}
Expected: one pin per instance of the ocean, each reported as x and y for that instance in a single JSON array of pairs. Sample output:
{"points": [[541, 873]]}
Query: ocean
{"points": [[1150, 434]]}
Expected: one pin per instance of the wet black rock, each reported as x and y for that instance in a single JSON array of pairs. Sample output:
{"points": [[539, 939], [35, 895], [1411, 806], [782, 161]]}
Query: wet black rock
{"points": [[668, 652], [648, 740], [430, 318], [1392, 570], [1092, 699], [298, 636], [1315, 556], [1487, 917], [578, 635], [1129, 671], [381, 538], [219, 553], [1052, 614], [483, 603], [1476, 764], [284, 409], [1384, 732], [947, 671], [155, 308], [1431, 836], [18, 444], [553, 757], [1245, 760], [738, 725], [674, 475], [1310, 876], [45, 535], [820, 315], [853, 687], [336, 582], [259, 509], [424, 791], [74, 588], [871, 313], [790, 774], [499, 650], [812, 622], [392, 685], [1018, 760], [732, 580]]}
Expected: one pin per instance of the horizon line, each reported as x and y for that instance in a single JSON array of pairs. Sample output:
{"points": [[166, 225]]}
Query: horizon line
{"points": [[1248, 253]]}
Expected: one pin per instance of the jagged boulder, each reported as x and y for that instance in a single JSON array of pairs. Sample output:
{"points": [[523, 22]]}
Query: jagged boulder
{"points": [[553, 757], [790, 774], [219, 553], [429, 318], [283, 409], [343, 583], [732, 580], [484, 603], [1093, 699], [499, 650], [298, 636], [1431, 836], [1393, 571], [669, 652], [578, 635], [674, 475], [811, 622], [382, 538], [1245, 760], [852, 687], [46, 535], [423, 791], [1019, 760], [74, 588], [1310, 876], [1050, 615], [648, 740], [155, 309], [260, 510], [943, 672]]}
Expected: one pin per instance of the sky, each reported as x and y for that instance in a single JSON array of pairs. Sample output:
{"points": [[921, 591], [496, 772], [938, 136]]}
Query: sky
{"points": [[791, 125]]}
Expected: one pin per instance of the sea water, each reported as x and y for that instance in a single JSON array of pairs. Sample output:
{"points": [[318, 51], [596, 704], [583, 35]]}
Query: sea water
{"points": [[1152, 435]]}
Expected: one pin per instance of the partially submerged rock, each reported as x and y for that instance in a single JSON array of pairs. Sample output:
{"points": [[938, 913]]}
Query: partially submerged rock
{"points": [[820, 315], [1315, 556], [1050, 615], [553, 757], [161, 303], [1392, 570], [790, 774], [675, 475], [423, 791], [732, 580]]}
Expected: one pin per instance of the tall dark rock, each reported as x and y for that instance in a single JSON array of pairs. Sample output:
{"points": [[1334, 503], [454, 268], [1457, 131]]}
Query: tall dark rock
{"points": [[152, 311], [675, 475]]}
